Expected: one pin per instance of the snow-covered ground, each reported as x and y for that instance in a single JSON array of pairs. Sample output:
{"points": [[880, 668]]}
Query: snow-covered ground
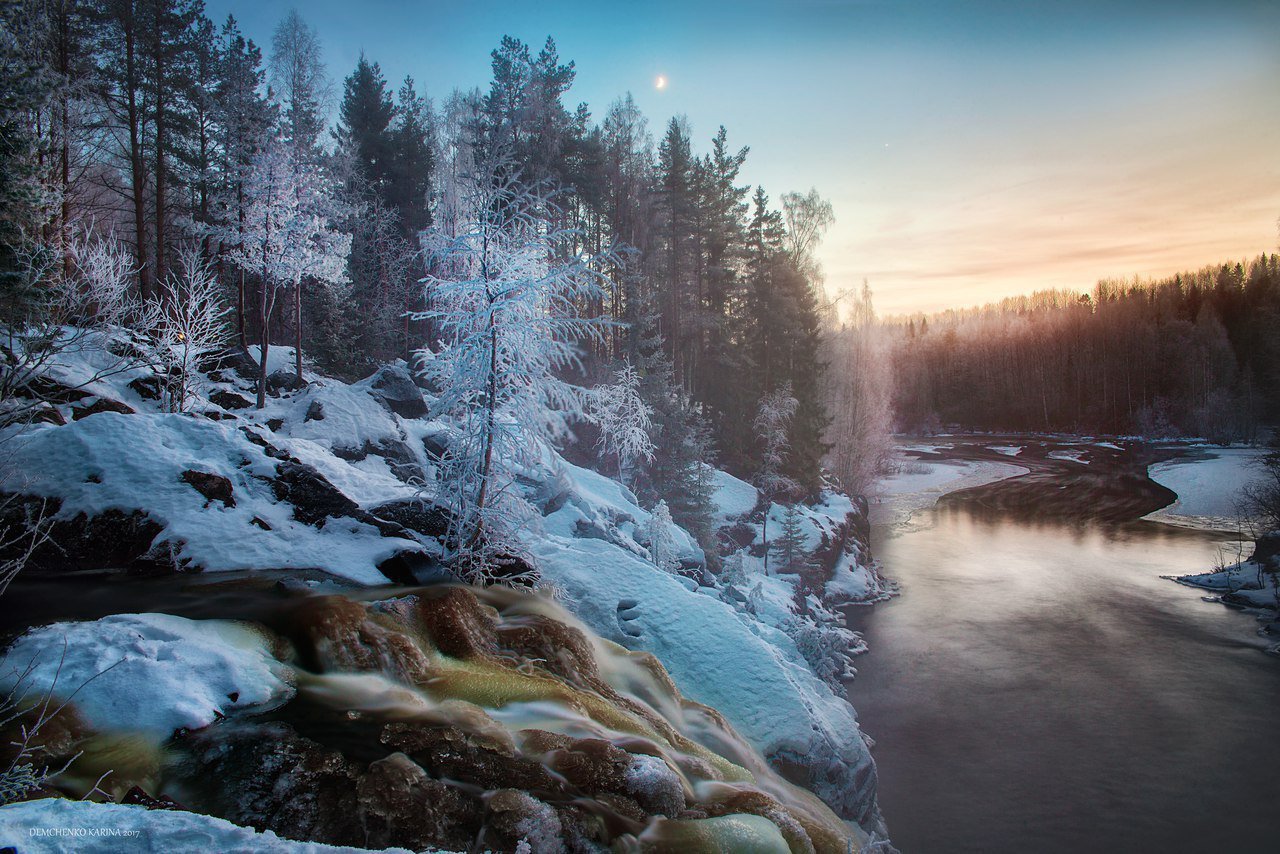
{"points": [[1208, 489], [898, 497], [57, 826], [1006, 450]]}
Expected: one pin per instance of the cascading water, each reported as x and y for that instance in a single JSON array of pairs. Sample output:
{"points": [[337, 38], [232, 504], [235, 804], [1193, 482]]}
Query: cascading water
{"points": [[465, 718]]}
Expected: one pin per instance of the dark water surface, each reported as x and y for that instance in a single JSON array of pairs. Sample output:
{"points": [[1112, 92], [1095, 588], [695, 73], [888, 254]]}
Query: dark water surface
{"points": [[1039, 688]]}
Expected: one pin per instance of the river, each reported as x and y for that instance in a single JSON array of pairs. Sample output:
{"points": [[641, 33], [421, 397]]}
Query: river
{"points": [[1038, 687]]}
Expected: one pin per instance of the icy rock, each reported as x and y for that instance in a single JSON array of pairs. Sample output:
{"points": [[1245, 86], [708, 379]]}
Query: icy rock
{"points": [[513, 817]]}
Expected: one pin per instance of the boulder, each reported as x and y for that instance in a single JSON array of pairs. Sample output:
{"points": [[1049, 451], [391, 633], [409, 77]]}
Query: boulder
{"points": [[400, 805], [230, 400], [268, 776], [214, 487], [231, 359], [102, 404], [282, 381], [395, 389], [313, 497]]}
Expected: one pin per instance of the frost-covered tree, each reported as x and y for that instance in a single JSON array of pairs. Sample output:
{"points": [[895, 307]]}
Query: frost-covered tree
{"points": [[624, 419], [662, 545], [771, 422], [507, 303], [300, 83], [192, 324], [286, 237], [858, 395]]}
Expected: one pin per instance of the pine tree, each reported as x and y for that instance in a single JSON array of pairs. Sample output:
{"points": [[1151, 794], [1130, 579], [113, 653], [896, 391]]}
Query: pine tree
{"points": [[363, 132], [676, 212], [777, 408], [790, 554], [243, 119]]}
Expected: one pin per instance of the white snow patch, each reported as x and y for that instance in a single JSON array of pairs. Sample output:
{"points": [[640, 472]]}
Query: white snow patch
{"points": [[1007, 450], [1070, 456], [153, 673], [896, 498], [130, 828]]}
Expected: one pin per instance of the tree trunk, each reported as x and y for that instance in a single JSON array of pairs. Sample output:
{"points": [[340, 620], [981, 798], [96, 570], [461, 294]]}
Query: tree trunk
{"points": [[297, 329], [137, 176]]}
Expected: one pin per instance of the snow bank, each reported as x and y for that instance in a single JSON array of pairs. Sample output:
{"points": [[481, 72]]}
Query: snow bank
{"points": [[733, 498], [1208, 489], [752, 673], [135, 671], [57, 825], [1007, 450], [135, 462]]}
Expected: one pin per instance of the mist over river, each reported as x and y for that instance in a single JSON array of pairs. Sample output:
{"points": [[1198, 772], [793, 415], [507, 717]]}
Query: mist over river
{"points": [[1039, 687]]}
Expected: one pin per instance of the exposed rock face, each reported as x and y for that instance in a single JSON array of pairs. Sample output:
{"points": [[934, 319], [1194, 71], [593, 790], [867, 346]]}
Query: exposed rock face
{"points": [[1267, 548], [111, 540], [269, 777], [230, 400], [102, 404], [430, 520], [394, 388], [231, 359], [148, 388], [313, 497], [213, 487], [400, 804]]}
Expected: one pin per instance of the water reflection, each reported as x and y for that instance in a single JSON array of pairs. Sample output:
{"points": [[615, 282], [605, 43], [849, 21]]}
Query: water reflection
{"points": [[1039, 687]]}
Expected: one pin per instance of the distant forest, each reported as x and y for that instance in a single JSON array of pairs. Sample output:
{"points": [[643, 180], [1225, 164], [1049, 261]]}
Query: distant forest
{"points": [[1197, 354]]}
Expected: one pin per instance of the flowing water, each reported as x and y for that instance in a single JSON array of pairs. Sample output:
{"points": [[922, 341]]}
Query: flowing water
{"points": [[1040, 688]]}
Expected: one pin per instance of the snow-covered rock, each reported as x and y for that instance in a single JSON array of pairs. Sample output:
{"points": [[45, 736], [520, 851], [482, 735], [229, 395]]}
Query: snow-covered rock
{"points": [[128, 463], [134, 672], [739, 663]]}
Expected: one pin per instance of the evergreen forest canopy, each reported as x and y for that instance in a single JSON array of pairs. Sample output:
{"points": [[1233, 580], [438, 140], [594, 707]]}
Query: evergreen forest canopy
{"points": [[1196, 354]]}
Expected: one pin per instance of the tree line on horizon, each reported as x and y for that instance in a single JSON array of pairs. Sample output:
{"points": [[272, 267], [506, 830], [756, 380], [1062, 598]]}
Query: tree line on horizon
{"points": [[1190, 355]]}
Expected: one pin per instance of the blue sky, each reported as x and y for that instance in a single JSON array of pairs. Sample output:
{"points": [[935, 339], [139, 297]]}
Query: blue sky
{"points": [[971, 149]]}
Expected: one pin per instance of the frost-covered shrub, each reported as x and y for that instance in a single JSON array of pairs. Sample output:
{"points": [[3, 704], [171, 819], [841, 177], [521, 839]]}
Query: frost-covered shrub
{"points": [[827, 647]]}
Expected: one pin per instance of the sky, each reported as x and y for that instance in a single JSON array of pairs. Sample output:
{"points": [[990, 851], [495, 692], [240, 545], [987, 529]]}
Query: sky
{"points": [[972, 149]]}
